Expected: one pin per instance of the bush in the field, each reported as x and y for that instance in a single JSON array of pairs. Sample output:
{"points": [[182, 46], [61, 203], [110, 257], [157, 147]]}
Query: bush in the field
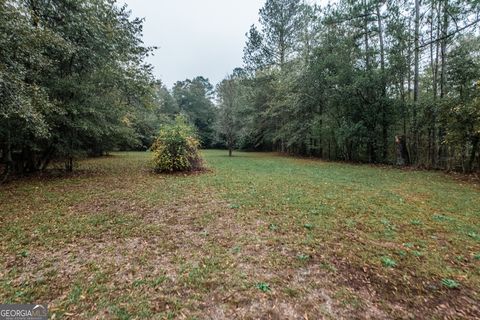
{"points": [[176, 148]]}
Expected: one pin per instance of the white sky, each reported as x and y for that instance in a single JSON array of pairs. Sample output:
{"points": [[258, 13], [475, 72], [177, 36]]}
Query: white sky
{"points": [[196, 37]]}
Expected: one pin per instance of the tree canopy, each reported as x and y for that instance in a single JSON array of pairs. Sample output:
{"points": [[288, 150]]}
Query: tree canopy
{"points": [[370, 81], [72, 79], [345, 81]]}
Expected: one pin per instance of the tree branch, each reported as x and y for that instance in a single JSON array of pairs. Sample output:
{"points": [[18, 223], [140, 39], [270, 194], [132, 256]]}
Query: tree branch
{"points": [[450, 34]]}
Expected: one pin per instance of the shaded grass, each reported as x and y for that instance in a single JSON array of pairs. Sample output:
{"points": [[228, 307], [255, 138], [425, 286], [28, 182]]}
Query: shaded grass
{"points": [[117, 241]]}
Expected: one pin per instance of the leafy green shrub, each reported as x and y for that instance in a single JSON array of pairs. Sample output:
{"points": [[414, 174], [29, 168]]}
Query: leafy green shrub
{"points": [[176, 148]]}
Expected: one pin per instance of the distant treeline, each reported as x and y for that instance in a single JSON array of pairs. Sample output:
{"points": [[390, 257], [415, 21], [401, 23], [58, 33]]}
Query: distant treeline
{"points": [[370, 81]]}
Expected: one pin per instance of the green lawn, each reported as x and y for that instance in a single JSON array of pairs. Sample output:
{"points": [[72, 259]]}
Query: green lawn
{"points": [[257, 236]]}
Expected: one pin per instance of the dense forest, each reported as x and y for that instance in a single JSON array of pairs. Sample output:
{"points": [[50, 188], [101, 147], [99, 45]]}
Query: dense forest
{"points": [[72, 80], [368, 81]]}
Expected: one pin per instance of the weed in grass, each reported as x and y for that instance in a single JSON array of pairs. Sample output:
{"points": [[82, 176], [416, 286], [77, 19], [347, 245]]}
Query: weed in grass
{"points": [[474, 235], [442, 218], [234, 206], [236, 249], [139, 283], [328, 266], [303, 257], [388, 225], [416, 222], [402, 253], [75, 294], [24, 253], [409, 245], [450, 283], [308, 226], [273, 227], [417, 253], [158, 281], [388, 262], [262, 286], [476, 256], [390, 229]]}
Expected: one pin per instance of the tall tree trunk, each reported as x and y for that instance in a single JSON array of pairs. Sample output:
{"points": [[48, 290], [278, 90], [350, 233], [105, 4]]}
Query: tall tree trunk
{"points": [[416, 79], [404, 105], [409, 59], [371, 139], [442, 152], [435, 89], [384, 85], [367, 46], [431, 127], [409, 81]]}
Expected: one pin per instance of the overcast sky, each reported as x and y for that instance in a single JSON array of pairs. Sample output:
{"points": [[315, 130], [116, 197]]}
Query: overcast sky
{"points": [[196, 37]]}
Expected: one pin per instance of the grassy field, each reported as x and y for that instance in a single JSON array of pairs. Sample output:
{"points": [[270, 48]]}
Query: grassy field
{"points": [[258, 236]]}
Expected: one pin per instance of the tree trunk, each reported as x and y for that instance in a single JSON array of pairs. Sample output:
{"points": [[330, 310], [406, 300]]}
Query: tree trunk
{"points": [[371, 144], [367, 46], [409, 59], [7, 159], [442, 151], [404, 104], [69, 164], [230, 151], [45, 159], [435, 89], [473, 153], [384, 85], [416, 79], [403, 158]]}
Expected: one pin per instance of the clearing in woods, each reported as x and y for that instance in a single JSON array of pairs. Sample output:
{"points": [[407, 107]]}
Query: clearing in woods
{"points": [[258, 236]]}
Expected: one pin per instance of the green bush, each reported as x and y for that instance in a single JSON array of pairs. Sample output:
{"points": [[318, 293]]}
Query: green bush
{"points": [[176, 148]]}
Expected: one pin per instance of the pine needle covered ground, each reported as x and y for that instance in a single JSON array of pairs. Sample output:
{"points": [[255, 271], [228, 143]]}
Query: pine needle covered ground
{"points": [[257, 236]]}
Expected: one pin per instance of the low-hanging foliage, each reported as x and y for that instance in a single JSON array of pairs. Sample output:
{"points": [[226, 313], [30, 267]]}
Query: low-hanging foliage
{"points": [[176, 148]]}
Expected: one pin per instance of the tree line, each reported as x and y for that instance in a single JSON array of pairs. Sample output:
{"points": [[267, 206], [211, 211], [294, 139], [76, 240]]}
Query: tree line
{"points": [[72, 79], [74, 83], [373, 81], [393, 81]]}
